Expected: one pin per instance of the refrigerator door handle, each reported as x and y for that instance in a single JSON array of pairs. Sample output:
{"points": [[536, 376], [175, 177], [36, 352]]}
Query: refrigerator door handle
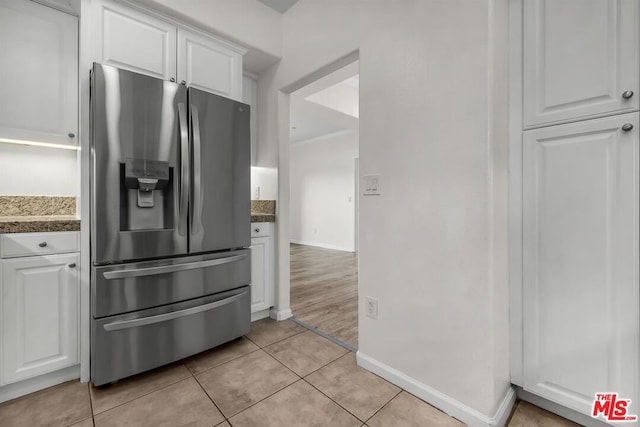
{"points": [[196, 214], [135, 323], [184, 168], [150, 271]]}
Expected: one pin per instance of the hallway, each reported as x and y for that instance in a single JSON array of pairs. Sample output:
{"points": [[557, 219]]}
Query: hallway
{"points": [[324, 291]]}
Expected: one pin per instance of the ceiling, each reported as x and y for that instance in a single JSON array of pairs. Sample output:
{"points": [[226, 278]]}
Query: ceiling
{"points": [[325, 107], [280, 5]]}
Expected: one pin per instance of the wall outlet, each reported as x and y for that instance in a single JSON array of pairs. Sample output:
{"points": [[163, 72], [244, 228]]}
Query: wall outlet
{"points": [[372, 307], [256, 193]]}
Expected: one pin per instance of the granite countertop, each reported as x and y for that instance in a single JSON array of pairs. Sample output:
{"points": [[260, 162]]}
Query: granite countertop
{"points": [[262, 217], [37, 214], [263, 211], [38, 223]]}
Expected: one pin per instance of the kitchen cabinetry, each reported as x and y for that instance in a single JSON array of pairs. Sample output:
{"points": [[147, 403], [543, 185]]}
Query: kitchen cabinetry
{"points": [[147, 43], [574, 210], [580, 59], [262, 268], [580, 260], [39, 71], [129, 39], [40, 305], [209, 65]]}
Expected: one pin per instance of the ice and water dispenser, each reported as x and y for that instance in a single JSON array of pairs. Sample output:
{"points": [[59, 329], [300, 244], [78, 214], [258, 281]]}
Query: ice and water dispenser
{"points": [[146, 194]]}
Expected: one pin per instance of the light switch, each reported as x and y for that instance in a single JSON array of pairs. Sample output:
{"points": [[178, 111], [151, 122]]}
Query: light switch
{"points": [[372, 185]]}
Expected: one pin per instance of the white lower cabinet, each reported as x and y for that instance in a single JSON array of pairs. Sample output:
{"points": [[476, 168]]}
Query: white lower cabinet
{"points": [[580, 261], [262, 268], [39, 311], [40, 302]]}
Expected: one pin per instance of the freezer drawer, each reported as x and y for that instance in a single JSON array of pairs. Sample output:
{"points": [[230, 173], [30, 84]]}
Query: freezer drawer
{"points": [[129, 287], [136, 342]]}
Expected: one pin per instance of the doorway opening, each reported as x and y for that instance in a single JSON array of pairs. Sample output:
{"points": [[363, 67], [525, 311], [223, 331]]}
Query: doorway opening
{"points": [[323, 156]]}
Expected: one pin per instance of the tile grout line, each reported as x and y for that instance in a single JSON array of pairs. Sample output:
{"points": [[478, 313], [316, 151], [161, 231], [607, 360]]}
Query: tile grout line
{"points": [[383, 406], [143, 395], [223, 363], [264, 398], [93, 419], [212, 401], [329, 397], [306, 375], [275, 342]]}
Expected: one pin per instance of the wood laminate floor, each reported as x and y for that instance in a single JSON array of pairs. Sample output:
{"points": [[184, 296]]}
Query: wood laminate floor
{"points": [[324, 290]]}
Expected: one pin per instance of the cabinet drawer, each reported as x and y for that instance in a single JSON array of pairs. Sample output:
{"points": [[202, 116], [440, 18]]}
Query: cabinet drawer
{"points": [[261, 229], [27, 244], [135, 342]]}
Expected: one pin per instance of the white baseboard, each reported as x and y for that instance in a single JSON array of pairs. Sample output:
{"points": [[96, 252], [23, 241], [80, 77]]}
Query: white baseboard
{"points": [[260, 314], [280, 314], [445, 403], [322, 245], [564, 412], [21, 388]]}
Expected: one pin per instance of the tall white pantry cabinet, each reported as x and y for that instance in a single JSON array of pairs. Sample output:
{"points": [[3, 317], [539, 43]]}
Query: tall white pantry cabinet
{"points": [[577, 168]]}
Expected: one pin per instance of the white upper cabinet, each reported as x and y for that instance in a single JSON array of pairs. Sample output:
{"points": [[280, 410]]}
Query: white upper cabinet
{"points": [[147, 43], [129, 39], [209, 64], [39, 73], [580, 260], [580, 59]]}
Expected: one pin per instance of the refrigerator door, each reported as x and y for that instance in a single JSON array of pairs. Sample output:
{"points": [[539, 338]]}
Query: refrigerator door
{"points": [[220, 210], [140, 166]]}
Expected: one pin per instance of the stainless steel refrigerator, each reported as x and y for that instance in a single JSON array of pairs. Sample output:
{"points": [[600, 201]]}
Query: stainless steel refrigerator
{"points": [[170, 222]]}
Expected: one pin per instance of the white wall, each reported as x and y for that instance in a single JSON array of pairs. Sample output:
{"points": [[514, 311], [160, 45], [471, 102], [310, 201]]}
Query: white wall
{"points": [[433, 109], [322, 191], [37, 171]]}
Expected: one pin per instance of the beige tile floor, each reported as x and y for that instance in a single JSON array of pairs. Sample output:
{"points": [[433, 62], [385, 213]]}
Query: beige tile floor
{"points": [[278, 375]]}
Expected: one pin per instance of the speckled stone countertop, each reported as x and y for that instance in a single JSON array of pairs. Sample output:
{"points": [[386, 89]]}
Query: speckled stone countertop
{"points": [[38, 224], [263, 211], [37, 214], [260, 217]]}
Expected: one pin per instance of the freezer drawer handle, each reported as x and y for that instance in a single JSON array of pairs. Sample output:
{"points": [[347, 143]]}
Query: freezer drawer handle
{"points": [[135, 323], [123, 274]]}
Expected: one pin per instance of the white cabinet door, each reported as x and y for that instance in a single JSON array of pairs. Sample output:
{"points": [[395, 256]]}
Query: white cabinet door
{"points": [[39, 315], [580, 261], [580, 56], [39, 73], [261, 273], [208, 64], [129, 39]]}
